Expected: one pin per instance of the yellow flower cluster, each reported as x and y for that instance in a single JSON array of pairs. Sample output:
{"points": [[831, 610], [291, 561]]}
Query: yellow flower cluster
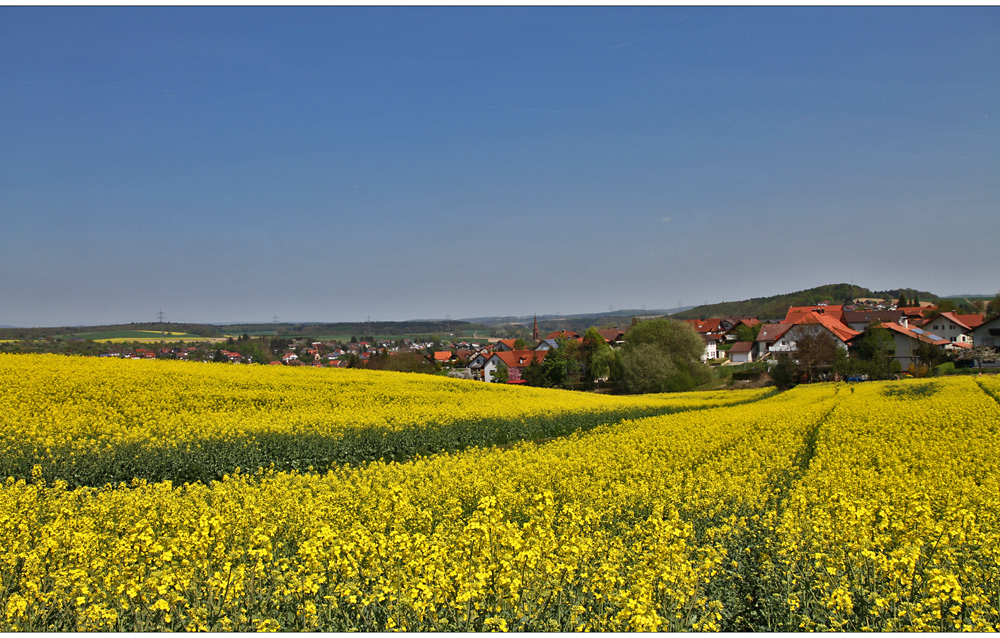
{"points": [[830, 506], [896, 526], [92, 421]]}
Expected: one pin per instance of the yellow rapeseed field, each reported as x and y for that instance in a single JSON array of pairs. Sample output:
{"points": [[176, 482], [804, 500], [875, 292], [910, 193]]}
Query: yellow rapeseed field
{"points": [[93, 421], [867, 507]]}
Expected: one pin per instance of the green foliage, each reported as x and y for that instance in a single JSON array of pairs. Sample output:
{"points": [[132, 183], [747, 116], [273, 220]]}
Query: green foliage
{"points": [[645, 369], [662, 355], [784, 372], [501, 374], [747, 333], [873, 354], [928, 354]]}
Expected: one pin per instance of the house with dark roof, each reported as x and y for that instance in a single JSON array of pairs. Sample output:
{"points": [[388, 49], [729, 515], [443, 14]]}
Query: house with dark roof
{"points": [[741, 352], [771, 339], [860, 320], [613, 336]]}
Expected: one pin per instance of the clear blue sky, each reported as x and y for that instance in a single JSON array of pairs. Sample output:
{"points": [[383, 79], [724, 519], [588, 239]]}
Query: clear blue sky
{"points": [[329, 164]]}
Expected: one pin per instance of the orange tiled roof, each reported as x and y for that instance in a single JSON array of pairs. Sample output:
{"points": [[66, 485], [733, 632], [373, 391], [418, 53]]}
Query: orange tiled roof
{"points": [[839, 329], [521, 358], [895, 327], [795, 312]]}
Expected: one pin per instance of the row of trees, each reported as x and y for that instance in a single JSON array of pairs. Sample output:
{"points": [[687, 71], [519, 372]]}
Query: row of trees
{"points": [[659, 355]]}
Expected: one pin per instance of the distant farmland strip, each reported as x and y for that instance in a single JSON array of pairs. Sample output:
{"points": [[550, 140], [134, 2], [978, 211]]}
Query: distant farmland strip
{"points": [[136, 335]]}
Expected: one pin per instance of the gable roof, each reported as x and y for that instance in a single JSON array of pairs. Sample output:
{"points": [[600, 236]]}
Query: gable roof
{"points": [[741, 346], [916, 334], [968, 322], [520, 358], [772, 331], [705, 326], [611, 334], [796, 312], [507, 343], [839, 329], [443, 355]]}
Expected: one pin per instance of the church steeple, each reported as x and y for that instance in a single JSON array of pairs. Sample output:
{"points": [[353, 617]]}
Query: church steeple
{"points": [[534, 333]]}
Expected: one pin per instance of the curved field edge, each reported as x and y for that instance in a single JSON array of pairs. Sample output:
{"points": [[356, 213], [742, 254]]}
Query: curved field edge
{"points": [[90, 421]]}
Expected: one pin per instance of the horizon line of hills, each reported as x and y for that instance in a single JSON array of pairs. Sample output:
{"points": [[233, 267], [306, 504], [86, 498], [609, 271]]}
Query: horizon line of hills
{"points": [[773, 307]]}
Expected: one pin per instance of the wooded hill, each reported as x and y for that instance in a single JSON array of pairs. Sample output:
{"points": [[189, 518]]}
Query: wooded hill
{"points": [[776, 307]]}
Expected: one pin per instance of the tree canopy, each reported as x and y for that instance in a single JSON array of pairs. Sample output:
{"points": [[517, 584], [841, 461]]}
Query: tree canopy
{"points": [[662, 355]]}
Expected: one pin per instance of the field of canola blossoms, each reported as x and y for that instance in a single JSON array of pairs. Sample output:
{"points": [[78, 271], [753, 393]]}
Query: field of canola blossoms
{"points": [[866, 507], [95, 421]]}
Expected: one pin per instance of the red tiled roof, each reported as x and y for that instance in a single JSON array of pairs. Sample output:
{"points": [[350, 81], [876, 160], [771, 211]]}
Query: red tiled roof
{"points": [[839, 330], [742, 346], [895, 327], [705, 326], [966, 321], [443, 355], [796, 312], [521, 358]]}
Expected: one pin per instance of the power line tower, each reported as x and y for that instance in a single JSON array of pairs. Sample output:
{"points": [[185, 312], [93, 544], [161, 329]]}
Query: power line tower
{"points": [[160, 320]]}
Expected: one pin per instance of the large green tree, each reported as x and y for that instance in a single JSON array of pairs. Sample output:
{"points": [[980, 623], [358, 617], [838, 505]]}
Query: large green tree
{"points": [[662, 355]]}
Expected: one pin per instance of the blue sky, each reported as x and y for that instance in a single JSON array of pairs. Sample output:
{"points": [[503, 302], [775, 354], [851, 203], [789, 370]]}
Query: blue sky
{"points": [[334, 163]]}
